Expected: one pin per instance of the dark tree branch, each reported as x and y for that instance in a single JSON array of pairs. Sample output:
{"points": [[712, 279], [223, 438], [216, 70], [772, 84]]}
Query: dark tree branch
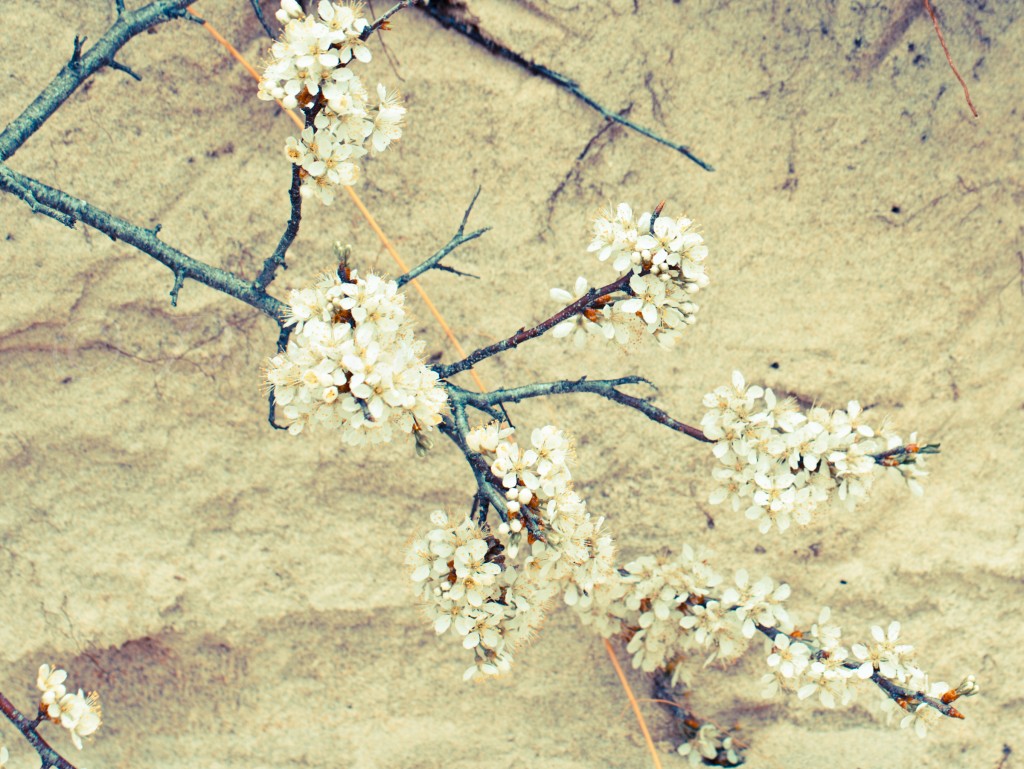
{"points": [[457, 240], [82, 66], [47, 755], [144, 240], [258, 10], [525, 334], [8, 178], [276, 259], [473, 32], [606, 388]]}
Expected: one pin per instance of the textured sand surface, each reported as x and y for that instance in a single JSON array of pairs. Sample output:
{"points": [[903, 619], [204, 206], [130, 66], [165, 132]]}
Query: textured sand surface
{"points": [[238, 596]]}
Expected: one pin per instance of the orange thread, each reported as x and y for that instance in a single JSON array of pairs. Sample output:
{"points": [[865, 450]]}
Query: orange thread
{"points": [[945, 50], [633, 703]]}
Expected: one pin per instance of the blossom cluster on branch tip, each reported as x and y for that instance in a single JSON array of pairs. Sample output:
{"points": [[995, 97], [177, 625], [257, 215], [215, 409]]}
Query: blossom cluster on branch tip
{"points": [[665, 260], [779, 464], [669, 608], [815, 664], [77, 712], [352, 363], [492, 588], [309, 69]]}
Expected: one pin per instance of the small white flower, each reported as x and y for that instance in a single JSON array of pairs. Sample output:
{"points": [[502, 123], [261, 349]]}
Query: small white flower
{"points": [[921, 717], [80, 715], [580, 325]]}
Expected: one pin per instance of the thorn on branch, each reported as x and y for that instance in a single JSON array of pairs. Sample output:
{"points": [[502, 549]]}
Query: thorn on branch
{"points": [[155, 230], [179, 281], [453, 271], [119, 5], [114, 64], [76, 54]]}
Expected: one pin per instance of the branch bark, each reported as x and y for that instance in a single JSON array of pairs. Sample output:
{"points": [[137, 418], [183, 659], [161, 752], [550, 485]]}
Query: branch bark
{"points": [[80, 67]]}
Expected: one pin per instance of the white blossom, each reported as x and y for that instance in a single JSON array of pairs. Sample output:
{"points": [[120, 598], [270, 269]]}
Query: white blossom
{"points": [[51, 683], [664, 259], [779, 465], [309, 68], [352, 363]]}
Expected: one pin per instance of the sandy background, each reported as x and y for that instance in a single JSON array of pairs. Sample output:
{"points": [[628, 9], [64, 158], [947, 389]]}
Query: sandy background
{"points": [[238, 596]]}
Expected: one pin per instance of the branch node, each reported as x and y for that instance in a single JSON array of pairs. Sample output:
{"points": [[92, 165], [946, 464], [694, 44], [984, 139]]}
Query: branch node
{"points": [[114, 64], [76, 54], [187, 15]]}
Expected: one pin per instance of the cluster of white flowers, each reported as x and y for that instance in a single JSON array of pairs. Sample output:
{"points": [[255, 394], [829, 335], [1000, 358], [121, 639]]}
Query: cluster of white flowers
{"points": [[779, 464], [818, 665], [468, 588], [492, 588], [309, 68], [671, 607], [77, 712], [665, 260], [708, 741], [352, 363]]}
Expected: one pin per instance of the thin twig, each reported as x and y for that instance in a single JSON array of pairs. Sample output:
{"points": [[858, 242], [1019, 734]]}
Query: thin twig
{"points": [[945, 50], [472, 31], [258, 10], [687, 723], [383, 20], [142, 239], [525, 334], [276, 259], [82, 66], [457, 240], [456, 428]]}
